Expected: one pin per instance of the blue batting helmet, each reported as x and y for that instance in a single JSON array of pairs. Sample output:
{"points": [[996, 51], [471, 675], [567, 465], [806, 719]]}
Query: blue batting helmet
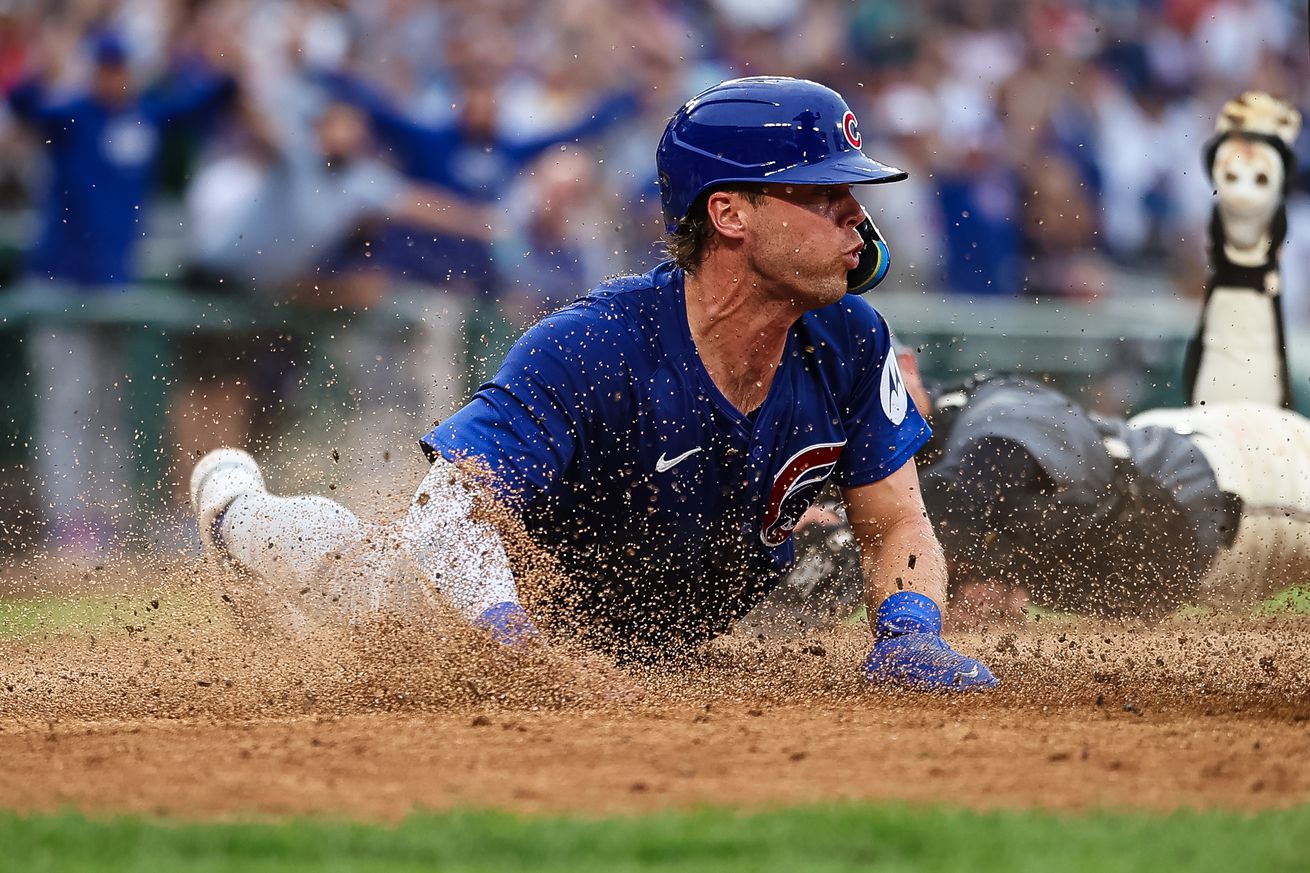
{"points": [[761, 129]]}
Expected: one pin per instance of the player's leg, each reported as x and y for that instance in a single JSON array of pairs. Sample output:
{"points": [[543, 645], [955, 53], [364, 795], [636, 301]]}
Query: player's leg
{"points": [[1239, 351], [305, 546], [283, 540]]}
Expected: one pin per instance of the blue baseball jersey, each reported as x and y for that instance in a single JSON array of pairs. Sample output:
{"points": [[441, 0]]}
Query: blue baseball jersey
{"points": [[103, 161], [670, 510]]}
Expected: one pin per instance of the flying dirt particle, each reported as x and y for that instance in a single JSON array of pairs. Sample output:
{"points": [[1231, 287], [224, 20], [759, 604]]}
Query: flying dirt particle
{"points": [[154, 604], [480, 721], [638, 788], [1100, 700], [1129, 707], [1058, 756], [423, 498], [336, 456], [797, 756], [1267, 664], [755, 713], [204, 683]]}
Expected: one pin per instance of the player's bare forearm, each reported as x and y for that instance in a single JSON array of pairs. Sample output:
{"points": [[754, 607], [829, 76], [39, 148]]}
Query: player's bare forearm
{"points": [[905, 558], [898, 550]]}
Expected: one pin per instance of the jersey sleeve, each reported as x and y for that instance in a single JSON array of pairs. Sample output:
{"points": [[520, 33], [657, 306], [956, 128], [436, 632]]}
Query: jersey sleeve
{"points": [[33, 104], [883, 427], [526, 425]]}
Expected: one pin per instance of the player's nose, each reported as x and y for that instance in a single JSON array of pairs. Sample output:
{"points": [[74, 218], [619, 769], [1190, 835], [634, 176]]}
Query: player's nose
{"points": [[851, 213]]}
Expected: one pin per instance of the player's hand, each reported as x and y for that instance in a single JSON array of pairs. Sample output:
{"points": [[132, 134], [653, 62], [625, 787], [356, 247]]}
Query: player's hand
{"points": [[925, 662], [909, 651], [508, 625]]}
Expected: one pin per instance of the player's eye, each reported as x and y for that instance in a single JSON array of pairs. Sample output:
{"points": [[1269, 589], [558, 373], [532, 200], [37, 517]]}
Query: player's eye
{"points": [[1230, 176], [1262, 179]]}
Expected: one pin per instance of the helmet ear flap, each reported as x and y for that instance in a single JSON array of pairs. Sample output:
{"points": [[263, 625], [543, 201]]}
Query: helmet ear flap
{"points": [[875, 259]]}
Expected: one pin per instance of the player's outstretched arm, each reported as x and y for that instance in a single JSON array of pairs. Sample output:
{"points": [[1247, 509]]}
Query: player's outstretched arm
{"points": [[905, 585], [464, 556], [466, 560]]}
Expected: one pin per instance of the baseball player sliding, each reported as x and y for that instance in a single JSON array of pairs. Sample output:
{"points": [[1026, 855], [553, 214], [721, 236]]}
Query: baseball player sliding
{"points": [[661, 437], [1034, 497]]}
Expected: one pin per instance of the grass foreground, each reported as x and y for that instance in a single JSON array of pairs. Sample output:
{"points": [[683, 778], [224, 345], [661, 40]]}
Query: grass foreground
{"points": [[837, 838]]}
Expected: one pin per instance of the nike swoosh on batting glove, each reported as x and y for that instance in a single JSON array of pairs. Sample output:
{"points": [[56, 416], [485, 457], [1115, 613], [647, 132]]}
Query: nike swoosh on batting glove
{"points": [[508, 623], [910, 652]]}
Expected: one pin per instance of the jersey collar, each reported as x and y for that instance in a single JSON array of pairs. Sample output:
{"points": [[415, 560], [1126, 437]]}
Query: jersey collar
{"points": [[682, 343]]}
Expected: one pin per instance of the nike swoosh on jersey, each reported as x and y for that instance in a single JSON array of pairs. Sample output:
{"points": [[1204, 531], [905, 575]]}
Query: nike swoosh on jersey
{"points": [[663, 464]]}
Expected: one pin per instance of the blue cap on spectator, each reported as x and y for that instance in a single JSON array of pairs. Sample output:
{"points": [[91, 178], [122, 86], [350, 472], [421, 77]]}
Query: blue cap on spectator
{"points": [[109, 50]]}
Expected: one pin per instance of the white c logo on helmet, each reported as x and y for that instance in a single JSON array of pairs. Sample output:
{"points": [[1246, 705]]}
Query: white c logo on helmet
{"points": [[851, 128]]}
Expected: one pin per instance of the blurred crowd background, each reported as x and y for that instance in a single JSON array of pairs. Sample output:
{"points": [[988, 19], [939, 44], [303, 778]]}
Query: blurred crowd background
{"points": [[477, 163]]}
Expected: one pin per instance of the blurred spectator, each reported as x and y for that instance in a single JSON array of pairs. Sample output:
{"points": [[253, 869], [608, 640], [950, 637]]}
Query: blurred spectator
{"points": [[102, 140], [555, 246], [1059, 234], [103, 144], [294, 214], [1152, 199], [471, 157]]}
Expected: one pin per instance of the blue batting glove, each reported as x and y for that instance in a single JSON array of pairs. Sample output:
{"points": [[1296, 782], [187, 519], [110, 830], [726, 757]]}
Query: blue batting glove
{"points": [[909, 650], [508, 623]]}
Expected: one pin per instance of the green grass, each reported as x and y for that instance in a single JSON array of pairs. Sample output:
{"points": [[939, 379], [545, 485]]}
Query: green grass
{"points": [[1291, 600], [33, 616], [839, 838]]}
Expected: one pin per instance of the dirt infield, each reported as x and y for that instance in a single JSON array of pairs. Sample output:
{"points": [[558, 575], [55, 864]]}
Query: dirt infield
{"points": [[167, 706]]}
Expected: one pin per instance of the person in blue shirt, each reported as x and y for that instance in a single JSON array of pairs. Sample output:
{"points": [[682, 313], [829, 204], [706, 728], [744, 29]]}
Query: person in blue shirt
{"points": [[470, 157], [103, 144], [661, 438]]}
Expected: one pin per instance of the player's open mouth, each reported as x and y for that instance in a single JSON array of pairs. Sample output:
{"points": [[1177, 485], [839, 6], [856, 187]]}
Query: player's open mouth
{"points": [[852, 257]]}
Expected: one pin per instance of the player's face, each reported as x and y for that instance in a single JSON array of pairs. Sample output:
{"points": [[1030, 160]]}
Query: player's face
{"points": [[803, 241]]}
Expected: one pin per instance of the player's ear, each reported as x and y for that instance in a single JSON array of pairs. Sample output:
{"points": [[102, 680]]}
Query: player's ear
{"points": [[726, 212]]}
